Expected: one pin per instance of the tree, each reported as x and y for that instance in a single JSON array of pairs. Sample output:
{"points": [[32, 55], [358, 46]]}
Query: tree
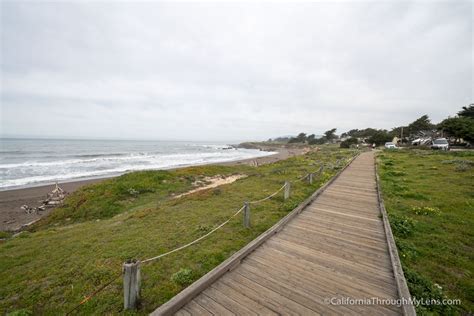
{"points": [[330, 134], [348, 142], [459, 127], [310, 139], [360, 133], [301, 138], [467, 111], [397, 131], [380, 137], [421, 124]]}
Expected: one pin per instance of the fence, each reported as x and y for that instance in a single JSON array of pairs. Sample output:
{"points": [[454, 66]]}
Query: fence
{"points": [[131, 268]]}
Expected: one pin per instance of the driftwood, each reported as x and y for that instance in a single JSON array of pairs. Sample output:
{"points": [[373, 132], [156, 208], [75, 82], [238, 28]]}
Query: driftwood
{"points": [[54, 198]]}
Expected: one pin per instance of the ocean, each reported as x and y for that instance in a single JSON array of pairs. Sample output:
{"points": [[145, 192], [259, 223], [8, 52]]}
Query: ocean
{"points": [[31, 162]]}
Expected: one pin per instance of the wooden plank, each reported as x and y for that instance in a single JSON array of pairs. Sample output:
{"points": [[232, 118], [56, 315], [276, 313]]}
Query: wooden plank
{"points": [[351, 199], [227, 302], [371, 210], [308, 229], [344, 215], [295, 294], [352, 191], [318, 238], [314, 212], [266, 296], [242, 299], [195, 309], [344, 284], [211, 305], [334, 263], [328, 259], [305, 278], [336, 184], [350, 226], [183, 312], [298, 280]]}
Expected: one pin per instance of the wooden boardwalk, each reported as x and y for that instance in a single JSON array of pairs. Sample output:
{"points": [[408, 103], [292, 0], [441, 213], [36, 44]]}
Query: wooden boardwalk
{"points": [[335, 249]]}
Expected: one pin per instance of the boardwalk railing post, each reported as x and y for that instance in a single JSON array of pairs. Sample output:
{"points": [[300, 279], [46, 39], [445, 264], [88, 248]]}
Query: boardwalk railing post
{"points": [[131, 284], [310, 178], [247, 215], [286, 195]]}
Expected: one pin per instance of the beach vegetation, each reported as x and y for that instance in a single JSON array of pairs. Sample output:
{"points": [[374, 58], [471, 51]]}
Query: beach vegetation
{"points": [[431, 212]]}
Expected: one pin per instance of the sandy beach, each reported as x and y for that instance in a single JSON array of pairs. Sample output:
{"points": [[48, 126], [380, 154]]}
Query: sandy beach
{"points": [[12, 217]]}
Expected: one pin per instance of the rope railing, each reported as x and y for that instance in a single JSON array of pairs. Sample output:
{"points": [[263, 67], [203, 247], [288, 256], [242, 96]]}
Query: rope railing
{"points": [[130, 264], [131, 268], [194, 241], [268, 197]]}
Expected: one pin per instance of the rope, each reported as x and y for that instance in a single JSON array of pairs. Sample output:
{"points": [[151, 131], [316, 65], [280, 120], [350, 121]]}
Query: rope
{"points": [[303, 177], [268, 197], [194, 241], [313, 173], [87, 298]]}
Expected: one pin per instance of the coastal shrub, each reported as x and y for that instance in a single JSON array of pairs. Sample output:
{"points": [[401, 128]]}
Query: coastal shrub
{"points": [[183, 277], [422, 288], [432, 243], [406, 249], [395, 173], [348, 142], [425, 210], [133, 192], [462, 167], [20, 312], [458, 161], [113, 196], [415, 196], [5, 235], [402, 226], [204, 228]]}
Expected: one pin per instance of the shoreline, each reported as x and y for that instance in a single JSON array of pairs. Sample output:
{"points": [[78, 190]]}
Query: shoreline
{"points": [[13, 218]]}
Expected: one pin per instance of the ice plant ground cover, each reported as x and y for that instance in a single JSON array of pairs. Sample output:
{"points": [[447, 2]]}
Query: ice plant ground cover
{"points": [[429, 198]]}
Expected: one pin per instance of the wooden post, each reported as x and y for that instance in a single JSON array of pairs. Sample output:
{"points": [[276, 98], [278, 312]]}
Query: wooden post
{"points": [[321, 170], [131, 284], [310, 178], [247, 215], [286, 196]]}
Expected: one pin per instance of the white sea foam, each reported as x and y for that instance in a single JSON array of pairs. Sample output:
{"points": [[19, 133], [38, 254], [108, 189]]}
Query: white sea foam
{"points": [[50, 161]]}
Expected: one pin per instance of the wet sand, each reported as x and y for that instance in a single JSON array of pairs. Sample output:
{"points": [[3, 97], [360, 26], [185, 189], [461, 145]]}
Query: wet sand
{"points": [[12, 217]]}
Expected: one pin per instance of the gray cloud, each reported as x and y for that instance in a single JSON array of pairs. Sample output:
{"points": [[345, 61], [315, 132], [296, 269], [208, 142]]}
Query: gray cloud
{"points": [[230, 71]]}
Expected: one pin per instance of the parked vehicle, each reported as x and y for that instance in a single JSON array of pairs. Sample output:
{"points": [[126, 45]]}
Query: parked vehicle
{"points": [[440, 143], [390, 145]]}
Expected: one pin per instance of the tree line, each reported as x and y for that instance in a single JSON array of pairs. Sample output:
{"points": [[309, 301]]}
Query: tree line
{"points": [[458, 127]]}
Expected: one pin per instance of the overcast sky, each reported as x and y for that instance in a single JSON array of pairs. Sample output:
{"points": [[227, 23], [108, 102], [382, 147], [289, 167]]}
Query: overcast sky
{"points": [[230, 71]]}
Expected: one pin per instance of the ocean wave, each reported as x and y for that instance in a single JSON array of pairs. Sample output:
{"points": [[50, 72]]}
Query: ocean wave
{"points": [[33, 173]]}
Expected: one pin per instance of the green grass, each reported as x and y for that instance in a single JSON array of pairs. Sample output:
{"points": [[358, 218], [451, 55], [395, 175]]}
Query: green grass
{"points": [[83, 244], [429, 197]]}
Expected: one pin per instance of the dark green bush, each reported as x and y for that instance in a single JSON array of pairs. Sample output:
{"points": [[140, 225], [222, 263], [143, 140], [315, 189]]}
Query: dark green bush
{"points": [[183, 277]]}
